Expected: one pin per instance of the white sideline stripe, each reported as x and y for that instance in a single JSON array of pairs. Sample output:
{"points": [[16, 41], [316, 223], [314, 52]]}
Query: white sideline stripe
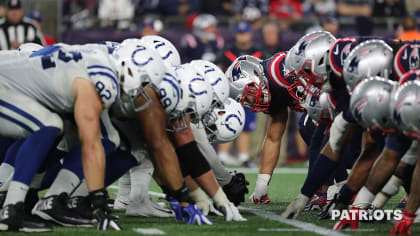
{"points": [[298, 224], [302, 230], [283, 170], [149, 231]]}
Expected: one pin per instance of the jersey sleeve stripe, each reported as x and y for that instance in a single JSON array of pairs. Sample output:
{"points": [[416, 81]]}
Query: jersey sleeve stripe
{"points": [[274, 72], [102, 67]]}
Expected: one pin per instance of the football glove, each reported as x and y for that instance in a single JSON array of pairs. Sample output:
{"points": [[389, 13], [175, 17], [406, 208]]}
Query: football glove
{"points": [[193, 215], [231, 213], [294, 209], [402, 227], [99, 201]]}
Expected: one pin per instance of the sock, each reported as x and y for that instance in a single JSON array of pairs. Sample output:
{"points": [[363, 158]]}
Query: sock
{"points": [[17, 193], [140, 180], [12, 152], [364, 198], [6, 170], [380, 200], [201, 200], [51, 174], [124, 187], [33, 152], [37, 180], [81, 190], [224, 155], [7, 167], [346, 194], [243, 156], [118, 163], [5, 144], [261, 185], [220, 198], [5, 185], [65, 182], [323, 168]]}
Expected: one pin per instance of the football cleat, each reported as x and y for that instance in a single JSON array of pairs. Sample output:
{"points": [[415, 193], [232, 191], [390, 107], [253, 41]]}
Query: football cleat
{"points": [[317, 202], [148, 208], [263, 200], [334, 204], [237, 188], [81, 206], [54, 208], [403, 202], [13, 218], [120, 203]]}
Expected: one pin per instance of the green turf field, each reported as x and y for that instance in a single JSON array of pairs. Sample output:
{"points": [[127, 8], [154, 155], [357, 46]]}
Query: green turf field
{"points": [[283, 188]]}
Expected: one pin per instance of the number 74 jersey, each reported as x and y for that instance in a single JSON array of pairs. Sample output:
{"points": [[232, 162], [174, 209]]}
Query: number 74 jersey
{"points": [[48, 74]]}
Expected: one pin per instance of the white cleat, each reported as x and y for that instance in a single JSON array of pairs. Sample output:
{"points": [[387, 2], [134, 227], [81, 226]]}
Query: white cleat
{"points": [[148, 208], [120, 204]]}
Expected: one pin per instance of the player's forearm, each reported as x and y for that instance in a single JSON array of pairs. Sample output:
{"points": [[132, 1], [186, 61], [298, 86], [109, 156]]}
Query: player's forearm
{"points": [[93, 160], [167, 165]]}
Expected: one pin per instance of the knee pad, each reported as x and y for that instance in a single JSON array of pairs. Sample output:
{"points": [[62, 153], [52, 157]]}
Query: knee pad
{"points": [[192, 160]]}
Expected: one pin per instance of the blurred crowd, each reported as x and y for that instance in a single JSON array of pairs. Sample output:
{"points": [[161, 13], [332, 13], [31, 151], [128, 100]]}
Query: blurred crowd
{"points": [[205, 20]]}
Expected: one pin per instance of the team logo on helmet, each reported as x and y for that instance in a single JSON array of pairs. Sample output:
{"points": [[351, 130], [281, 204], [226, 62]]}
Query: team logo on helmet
{"points": [[236, 71], [232, 116], [359, 109]]}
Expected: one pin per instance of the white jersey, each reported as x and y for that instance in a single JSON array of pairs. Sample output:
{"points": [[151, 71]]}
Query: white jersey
{"points": [[48, 74]]}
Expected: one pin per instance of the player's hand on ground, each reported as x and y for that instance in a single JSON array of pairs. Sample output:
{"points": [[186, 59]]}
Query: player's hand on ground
{"points": [[294, 209], [402, 227], [193, 215], [99, 201], [231, 213]]}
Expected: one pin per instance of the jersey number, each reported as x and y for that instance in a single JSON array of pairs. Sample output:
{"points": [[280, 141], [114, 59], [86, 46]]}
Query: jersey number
{"points": [[46, 56], [166, 102], [105, 94]]}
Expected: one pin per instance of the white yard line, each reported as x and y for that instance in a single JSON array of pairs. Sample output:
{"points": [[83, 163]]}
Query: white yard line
{"points": [[283, 170], [153, 231], [296, 223]]}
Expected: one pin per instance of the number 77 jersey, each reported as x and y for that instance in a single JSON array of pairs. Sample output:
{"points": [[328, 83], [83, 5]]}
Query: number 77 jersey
{"points": [[47, 75]]}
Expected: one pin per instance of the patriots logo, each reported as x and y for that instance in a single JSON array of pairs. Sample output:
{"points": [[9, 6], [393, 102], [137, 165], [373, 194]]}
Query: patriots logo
{"points": [[236, 71], [345, 52], [353, 64], [357, 112], [414, 58], [301, 48]]}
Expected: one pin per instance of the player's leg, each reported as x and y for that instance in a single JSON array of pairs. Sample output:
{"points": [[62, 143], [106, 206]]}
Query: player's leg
{"points": [[23, 117]]}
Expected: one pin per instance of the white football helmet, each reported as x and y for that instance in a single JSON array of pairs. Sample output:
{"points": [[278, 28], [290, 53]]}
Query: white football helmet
{"points": [[139, 66], [165, 48], [169, 92], [216, 78], [225, 124], [196, 93]]}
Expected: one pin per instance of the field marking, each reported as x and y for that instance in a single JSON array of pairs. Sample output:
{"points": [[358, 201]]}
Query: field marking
{"points": [[296, 223], [282, 170], [304, 230], [149, 231]]}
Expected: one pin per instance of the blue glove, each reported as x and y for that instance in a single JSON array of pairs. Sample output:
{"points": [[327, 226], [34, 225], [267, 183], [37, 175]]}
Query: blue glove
{"points": [[193, 215], [176, 208]]}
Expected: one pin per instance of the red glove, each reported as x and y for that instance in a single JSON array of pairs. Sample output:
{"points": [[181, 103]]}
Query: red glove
{"points": [[402, 227], [353, 223]]}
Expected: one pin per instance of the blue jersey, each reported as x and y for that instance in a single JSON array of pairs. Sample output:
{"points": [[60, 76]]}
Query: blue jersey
{"points": [[193, 48], [278, 83]]}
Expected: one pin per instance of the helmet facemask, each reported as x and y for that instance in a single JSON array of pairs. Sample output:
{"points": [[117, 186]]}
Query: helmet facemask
{"points": [[256, 97]]}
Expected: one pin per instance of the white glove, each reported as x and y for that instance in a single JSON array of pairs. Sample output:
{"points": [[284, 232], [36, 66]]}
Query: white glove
{"points": [[294, 209], [261, 187], [231, 212], [213, 210], [204, 205]]}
